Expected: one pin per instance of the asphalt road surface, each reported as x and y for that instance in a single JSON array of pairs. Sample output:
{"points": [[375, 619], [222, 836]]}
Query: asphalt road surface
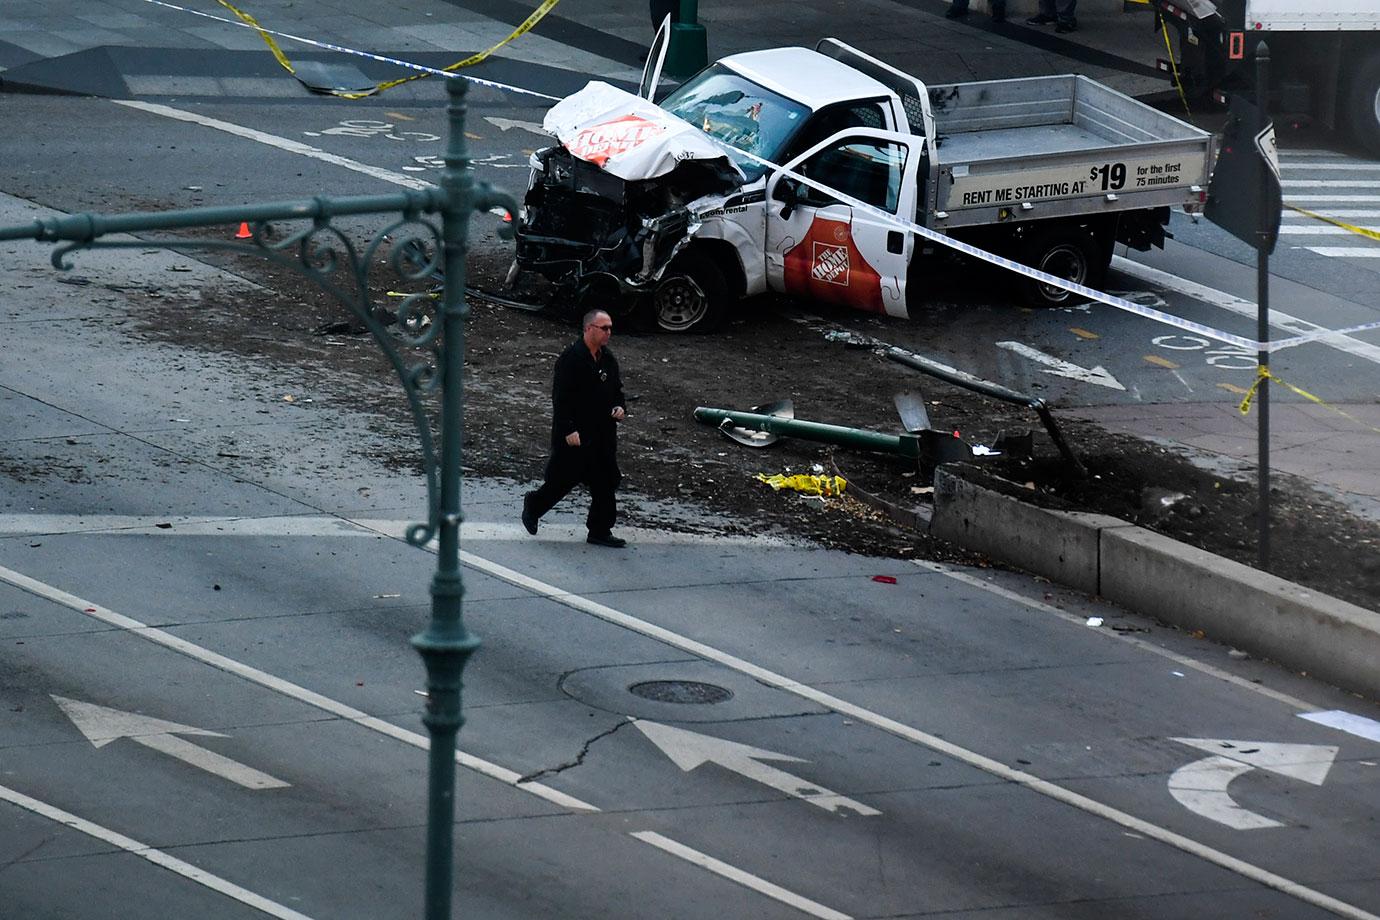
{"points": [[208, 704]]}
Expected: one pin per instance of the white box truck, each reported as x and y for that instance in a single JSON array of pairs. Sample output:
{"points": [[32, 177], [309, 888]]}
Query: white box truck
{"points": [[1324, 56]]}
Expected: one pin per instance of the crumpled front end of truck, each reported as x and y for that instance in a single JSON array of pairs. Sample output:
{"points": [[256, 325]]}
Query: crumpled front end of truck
{"points": [[610, 208], [592, 233]]}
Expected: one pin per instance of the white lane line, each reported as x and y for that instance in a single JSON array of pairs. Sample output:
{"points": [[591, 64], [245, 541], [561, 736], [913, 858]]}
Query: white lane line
{"points": [[284, 687], [317, 525], [1344, 199], [1344, 252], [1345, 721], [919, 737], [1329, 212], [1278, 318], [1296, 230], [1333, 165], [761, 886], [157, 857], [1330, 183], [272, 140], [364, 720]]}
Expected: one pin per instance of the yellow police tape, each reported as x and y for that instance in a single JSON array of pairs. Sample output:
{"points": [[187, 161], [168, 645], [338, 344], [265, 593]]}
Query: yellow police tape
{"points": [[809, 485], [1262, 373], [1368, 234], [522, 29]]}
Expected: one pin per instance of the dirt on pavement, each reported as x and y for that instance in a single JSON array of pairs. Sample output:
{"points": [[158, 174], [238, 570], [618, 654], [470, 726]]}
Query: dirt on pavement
{"points": [[772, 350]]}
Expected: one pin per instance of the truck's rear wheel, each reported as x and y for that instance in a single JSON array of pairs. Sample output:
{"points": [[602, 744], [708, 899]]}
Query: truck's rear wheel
{"points": [[691, 297], [1073, 254], [1363, 104]]}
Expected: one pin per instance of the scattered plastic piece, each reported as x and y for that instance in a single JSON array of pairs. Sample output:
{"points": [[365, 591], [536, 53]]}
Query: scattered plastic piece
{"points": [[885, 579], [808, 485], [1094, 621], [1177, 673]]}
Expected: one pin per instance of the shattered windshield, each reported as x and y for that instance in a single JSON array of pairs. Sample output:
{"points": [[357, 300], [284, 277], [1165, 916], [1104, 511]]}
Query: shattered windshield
{"points": [[739, 112]]}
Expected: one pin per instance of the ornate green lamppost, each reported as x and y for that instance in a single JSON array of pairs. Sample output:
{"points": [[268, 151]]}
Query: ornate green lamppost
{"points": [[326, 256]]}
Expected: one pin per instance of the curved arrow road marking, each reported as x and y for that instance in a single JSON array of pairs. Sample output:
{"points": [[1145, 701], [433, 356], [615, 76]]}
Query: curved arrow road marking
{"points": [[1201, 786], [101, 726], [688, 750]]}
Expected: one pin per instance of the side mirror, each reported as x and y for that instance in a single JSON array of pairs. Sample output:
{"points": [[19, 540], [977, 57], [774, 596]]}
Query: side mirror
{"points": [[786, 193]]}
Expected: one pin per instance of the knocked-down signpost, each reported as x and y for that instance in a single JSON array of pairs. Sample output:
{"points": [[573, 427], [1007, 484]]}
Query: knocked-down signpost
{"points": [[434, 365]]}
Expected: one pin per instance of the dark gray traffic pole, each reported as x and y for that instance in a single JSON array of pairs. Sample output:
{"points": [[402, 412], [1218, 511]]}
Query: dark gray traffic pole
{"points": [[1262, 327]]}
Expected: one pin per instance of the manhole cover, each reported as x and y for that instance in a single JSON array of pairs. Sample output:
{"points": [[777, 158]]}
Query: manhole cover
{"points": [[681, 691]]}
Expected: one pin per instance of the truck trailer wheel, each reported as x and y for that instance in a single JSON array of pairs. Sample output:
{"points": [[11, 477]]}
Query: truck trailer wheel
{"points": [[1363, 104], [1073, 254], [691, 297]]}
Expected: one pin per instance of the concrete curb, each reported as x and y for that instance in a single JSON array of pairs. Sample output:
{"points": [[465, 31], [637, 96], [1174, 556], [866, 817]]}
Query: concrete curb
{"points": [[1154, 575]]}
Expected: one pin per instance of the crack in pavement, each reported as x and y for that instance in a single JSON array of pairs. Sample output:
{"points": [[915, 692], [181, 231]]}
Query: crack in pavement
{"points": [[579, 758]]}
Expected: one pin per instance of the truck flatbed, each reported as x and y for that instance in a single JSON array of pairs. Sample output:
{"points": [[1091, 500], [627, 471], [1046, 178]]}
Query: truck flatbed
{"points": [[1049, 146]]}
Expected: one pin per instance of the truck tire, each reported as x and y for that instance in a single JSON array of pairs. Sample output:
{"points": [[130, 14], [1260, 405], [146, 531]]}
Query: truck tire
{"points": [[1072, 253], [691, 297], [1363, 104]]}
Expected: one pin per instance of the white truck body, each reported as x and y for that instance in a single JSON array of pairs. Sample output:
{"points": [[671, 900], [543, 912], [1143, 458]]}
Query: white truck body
{"points": [[1003, 163]]}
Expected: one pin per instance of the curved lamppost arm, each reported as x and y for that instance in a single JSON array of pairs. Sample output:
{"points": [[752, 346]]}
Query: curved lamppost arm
{"points": [[325, 255]]}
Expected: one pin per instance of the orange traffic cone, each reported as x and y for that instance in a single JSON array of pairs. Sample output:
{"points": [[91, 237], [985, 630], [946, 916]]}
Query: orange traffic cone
{"points": [[245, 233]]}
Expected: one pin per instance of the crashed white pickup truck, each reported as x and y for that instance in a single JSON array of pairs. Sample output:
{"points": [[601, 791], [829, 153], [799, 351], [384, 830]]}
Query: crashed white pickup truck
{"points": [[641, 208]]}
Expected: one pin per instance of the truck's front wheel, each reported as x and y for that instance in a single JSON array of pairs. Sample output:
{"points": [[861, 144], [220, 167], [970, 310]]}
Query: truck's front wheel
{"points": [[691, 296], [1363, 104], [1074, 254]]}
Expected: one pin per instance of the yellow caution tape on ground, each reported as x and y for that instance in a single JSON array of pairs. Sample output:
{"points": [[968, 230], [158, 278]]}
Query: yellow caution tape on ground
{"points": [[1262, 373], [1362, 231], [526, 26], [809, 485]]}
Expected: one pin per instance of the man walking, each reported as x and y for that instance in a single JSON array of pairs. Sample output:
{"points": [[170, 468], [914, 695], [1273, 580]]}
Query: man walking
{"points": [[586, 406]]}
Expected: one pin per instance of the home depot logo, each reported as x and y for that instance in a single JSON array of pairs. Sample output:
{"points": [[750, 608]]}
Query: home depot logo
{"points": [[830, 264], [600, 142]]}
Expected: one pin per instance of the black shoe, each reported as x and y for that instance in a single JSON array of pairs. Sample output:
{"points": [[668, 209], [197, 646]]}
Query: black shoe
{"points": [[606, 539], [955, 14], [1040, 20], [1066, 27], [999, 17], [529, 520]]}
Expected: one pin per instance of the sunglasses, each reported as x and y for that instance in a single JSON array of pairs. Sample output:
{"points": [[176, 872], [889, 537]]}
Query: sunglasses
{"points": [[604, 328]]}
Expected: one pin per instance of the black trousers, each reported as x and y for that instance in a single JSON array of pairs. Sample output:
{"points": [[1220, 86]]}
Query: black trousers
{"points": [[595, 469]]}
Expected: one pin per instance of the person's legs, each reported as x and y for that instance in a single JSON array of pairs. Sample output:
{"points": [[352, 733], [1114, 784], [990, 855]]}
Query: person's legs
{"points": [[957, 9], [603, 501], [998, 10], [1046, 14], [563, 473], [1067, 22]]}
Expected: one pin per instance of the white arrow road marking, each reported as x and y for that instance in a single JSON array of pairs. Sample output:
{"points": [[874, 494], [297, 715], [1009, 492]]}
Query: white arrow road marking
{"points": [[1098, 375], [1201, 786], [689, 749], [507, 124], [101, 726]]}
